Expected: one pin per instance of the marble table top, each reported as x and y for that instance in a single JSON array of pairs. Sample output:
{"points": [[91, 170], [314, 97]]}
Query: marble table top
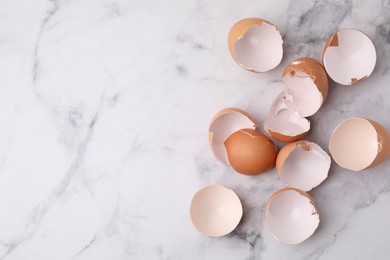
{"points": [[104, 113]]}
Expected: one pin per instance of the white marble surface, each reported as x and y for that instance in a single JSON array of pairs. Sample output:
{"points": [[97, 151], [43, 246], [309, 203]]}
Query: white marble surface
{"points": [[104, 112]]}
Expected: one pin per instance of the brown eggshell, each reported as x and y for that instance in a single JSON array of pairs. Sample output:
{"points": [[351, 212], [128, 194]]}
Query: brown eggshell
{"points": [[312, 68], [285, 138], [303, 165], [250, 152], [223, 124], [332, 41], [239, 29], [255, 44], [291, 216], [277, 193], [282, 119], [349, 56], [383, 144], [282, 155]]}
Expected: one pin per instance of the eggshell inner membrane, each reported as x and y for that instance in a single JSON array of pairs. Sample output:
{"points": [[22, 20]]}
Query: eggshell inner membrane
{"points": [[215, 211], [260, 49], [291, 217], [282, 119], [224, 126], [307, 99], [305, 167], [351, 58], [354, 144]]}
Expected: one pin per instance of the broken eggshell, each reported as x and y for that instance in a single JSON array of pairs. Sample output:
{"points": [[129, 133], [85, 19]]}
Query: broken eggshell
{"points": [[303, 165], [235, 141], [215, 210], [283, 123], [224, 124], [255, 44], [291, 216], [307, 90], [307, 83], [349, 56], [358, 143]]}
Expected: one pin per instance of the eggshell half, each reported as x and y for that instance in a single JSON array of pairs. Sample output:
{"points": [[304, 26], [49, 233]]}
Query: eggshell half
{"points": [[307, 83], [303, 165], [349, 56], [283, 123], [224, 124], [358, 143], [250, 152], [255, 44], [215, 210], [291, 216]]}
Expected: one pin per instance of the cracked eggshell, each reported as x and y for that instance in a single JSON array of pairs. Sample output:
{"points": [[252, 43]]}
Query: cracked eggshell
{"points": [[283, 123], [358, 143], [224, 124], [307, 90], [349, 56], [215, 211], [291, 216], [255, 44], [303, 165], [250, 152], [307, 83]]}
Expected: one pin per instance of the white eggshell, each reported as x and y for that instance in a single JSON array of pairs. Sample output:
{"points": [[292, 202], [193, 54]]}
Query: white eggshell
{"points": [[306, 96], [215, 210], [260, 49], [291, 216], [349, 56], [283, 119], [304, 167]]}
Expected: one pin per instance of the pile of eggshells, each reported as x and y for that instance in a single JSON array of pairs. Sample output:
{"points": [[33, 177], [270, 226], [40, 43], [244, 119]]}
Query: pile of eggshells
{"points": [[235, 138]]}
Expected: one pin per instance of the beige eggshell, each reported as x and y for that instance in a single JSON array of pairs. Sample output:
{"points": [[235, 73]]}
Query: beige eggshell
{"points": [[250, 152], [307, 83], [303, 165], [291, 216], [225, 123], [215, 211], [358, 143], [255, 44], [349, 56]]}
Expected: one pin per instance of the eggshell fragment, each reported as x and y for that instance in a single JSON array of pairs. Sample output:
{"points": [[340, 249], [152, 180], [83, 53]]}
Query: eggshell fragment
{"points": [[250, 152], [349, 56], [291, 216], [283, 123], [358, 143], [224, 124], [307, 89], [215, 211], [255, 44], [307, 83], [303, 165]]}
